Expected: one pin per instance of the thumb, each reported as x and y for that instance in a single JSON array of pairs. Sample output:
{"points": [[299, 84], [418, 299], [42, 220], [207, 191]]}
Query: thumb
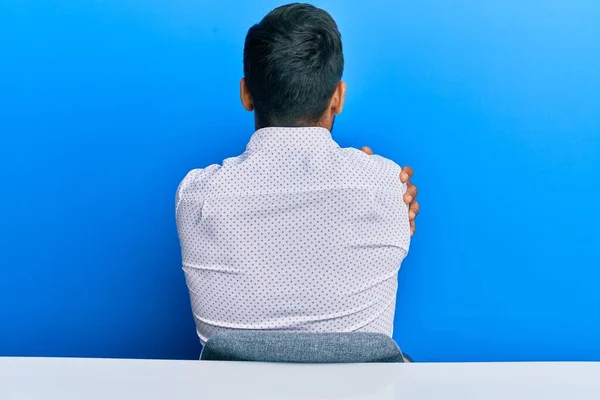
{"points": [[367, 150]]}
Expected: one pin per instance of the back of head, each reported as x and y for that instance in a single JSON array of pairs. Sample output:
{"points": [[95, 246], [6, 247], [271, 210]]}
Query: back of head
{"points": [[293, 62]]}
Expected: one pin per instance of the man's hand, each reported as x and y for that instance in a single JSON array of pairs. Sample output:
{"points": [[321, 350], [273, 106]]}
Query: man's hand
{"points": [[410, 197]]}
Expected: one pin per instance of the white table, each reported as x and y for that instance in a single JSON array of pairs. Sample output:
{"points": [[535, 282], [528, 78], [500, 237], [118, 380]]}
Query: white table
{"points": [[96, 379]]}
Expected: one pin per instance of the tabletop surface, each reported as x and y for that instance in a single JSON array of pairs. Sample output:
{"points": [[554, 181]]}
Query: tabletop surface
{"points": [[95, 379]]}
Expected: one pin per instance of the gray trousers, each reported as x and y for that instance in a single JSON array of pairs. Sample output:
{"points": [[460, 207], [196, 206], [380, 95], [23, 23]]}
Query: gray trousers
{"points": [[302, 347]]}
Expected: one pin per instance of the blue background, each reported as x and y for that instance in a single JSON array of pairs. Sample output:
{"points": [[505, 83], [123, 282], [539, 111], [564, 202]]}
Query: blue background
{"points": [[105, 105]]}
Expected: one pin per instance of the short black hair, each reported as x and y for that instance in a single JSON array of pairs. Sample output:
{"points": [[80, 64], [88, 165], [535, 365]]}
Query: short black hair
{"points": [[293, 62]]}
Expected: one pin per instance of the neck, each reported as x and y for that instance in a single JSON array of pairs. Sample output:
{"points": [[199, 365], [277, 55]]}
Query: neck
{"points": [[258, 124]]}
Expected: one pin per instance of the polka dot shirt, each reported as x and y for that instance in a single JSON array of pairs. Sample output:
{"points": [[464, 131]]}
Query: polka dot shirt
{"points": [[295, 234]]}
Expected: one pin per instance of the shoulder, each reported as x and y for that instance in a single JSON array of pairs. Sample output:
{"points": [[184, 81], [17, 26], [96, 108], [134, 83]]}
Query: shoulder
{"points": [[374, 161], [373, 165], [195, 181], [387, 166]]}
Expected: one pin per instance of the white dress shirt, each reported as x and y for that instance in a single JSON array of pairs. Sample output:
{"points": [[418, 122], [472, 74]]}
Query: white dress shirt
{"points": [[294, 234]]}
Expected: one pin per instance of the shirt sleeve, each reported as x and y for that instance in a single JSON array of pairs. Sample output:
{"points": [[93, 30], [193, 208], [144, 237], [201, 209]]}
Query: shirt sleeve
{"points": [[395, 201]]}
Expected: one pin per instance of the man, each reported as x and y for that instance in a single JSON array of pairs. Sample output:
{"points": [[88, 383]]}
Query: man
{"points": [[296, 233]]}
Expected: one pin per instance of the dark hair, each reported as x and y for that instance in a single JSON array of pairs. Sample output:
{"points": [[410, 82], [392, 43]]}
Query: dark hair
{"points": [[293, 62]]}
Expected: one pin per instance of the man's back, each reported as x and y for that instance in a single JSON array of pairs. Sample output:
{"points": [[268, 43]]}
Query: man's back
{"points": [[295, 234]]}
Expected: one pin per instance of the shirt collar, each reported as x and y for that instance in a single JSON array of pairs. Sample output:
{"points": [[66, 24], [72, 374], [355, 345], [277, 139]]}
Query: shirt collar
{"points": [[266, 138]]}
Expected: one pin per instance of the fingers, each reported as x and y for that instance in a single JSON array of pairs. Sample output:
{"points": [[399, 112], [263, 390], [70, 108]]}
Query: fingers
{"points": [[367, 150], [413, 210], [410, 197], [406, 174], [411, 193]]}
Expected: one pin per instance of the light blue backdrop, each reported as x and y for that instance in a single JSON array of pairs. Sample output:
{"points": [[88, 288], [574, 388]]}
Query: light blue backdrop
{"points": [[105, 105]]}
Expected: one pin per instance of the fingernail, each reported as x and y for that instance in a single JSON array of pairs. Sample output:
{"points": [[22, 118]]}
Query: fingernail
{"points": [[409, 199], [411, 215], [405, 177]]}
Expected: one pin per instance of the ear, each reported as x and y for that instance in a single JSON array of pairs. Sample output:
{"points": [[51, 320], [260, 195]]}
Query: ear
{"points": [[245, 96], [338, 98]]}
